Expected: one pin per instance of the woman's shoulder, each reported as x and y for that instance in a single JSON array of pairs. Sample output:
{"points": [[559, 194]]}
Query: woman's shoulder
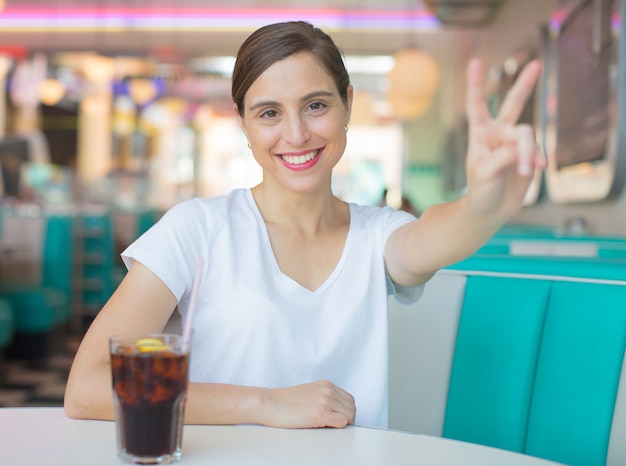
{"points": [[384, 220], [209, 205], [205, 213], [370, 212]]}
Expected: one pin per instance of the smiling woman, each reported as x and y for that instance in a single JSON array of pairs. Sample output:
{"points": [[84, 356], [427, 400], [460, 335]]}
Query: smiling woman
{"points": [[301, 126], [291, 327]]}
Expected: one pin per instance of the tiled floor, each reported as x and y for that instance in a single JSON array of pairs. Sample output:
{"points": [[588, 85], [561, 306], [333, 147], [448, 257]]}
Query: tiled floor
{"points": [[23, 384]]}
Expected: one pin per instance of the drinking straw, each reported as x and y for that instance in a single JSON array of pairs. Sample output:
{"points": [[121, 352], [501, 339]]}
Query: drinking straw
{"points": [[191, 309]]}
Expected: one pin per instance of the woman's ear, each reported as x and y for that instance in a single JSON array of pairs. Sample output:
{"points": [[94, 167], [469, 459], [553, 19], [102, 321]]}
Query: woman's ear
{"points": [[240, 120], [350, 93]]}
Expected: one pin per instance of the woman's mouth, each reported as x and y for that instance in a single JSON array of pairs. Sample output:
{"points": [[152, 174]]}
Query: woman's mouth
{"points": [[301, 161]]}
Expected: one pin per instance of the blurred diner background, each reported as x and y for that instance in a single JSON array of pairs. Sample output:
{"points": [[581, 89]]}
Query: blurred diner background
{"points": [[111, 111]]}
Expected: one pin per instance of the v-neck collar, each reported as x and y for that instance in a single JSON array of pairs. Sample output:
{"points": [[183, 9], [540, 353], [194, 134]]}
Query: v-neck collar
{"points": [[289, 282]]}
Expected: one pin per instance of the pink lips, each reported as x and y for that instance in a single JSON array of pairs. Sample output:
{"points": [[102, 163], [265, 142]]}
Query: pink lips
{"points": [[301, 166]]}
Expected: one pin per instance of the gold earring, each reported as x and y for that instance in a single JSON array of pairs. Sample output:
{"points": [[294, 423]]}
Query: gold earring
{"points": [[345, 128], [249, 146]]}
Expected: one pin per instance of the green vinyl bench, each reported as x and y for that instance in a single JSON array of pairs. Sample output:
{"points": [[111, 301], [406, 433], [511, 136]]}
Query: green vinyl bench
{"points": [[7, 324], [527, 241], [41, 300], [519, 353]]}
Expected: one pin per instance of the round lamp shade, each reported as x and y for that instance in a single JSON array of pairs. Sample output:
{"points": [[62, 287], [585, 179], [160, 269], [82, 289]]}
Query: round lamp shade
{"points": [[415, 74], [98, 68], [408, 109], [413, 81], [51, 91], [142, 91]]}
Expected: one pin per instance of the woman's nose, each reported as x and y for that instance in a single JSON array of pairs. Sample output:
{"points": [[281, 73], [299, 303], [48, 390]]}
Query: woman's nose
{"points": [[297, 131]]}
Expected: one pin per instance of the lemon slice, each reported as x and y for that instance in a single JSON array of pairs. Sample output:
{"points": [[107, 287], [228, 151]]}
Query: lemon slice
{"points": [[147, 345]]}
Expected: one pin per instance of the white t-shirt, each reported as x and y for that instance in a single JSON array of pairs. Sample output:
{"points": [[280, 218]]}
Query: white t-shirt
{"points": [[255, 325]]}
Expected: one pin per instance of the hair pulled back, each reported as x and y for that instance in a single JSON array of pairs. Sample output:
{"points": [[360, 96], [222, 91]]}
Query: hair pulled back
{"points": [[275, 42]]}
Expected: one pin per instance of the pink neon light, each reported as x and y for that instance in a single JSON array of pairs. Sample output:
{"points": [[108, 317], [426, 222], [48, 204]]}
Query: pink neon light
{"points": [[557, 18], [179, 12], [34, 12]]}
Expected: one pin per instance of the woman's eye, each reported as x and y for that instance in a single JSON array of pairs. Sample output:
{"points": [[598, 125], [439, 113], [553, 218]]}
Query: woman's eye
{"points": [[317, 106], [269, 114]]}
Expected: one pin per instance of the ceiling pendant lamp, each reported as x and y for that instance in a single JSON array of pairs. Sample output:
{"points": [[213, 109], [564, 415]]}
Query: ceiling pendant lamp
{"points": [[142, 90], [408, 109], [413, 81], [98, 68], [51, 91]]}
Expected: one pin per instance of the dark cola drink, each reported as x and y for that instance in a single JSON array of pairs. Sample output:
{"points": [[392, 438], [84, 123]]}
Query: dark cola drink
{"points": [[149, 390]]}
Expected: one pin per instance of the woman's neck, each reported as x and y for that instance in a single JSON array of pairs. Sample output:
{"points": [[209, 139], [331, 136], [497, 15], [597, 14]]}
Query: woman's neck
{"points": [[310, 212]]}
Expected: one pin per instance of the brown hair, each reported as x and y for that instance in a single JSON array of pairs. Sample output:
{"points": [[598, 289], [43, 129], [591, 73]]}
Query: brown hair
{"points": [[275, 42]]}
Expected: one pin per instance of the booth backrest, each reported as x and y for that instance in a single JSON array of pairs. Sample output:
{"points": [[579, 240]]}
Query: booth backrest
{"points": [[546, 242], [7, 326], [528, 362], [58, 253]]}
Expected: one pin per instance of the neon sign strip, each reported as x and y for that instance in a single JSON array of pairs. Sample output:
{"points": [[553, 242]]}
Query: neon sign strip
{"points": [[205, 19]]}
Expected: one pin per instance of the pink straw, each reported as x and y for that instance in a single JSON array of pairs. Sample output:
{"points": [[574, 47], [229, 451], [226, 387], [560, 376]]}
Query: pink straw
{"points": [[191, 310]]}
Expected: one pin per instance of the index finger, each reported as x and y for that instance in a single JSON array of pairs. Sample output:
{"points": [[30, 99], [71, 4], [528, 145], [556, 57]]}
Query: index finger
{"points": [[516, 97], [476, 104]]}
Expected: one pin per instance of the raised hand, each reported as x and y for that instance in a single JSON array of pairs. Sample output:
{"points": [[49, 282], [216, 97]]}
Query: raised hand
{"points": [[315, 404], [502, 156]]}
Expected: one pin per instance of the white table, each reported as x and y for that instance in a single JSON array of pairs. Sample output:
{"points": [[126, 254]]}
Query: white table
{"points": [[45, 436]]}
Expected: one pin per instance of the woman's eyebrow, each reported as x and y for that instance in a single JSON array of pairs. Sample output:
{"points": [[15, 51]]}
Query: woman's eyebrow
{"points": [[264, 103], [274, 103], [318, 94]]}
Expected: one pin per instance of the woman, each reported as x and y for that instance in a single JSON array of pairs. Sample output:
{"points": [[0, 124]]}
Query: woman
{"points": [[291, 325]]}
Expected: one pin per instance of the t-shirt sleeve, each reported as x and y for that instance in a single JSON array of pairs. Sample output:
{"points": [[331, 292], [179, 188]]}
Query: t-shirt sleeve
{"points": [[404, 294], [171, 247]]}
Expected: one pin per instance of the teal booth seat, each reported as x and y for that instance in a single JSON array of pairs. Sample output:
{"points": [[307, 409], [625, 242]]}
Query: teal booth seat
{"points": [[497, 347], [578, 373], [7, 324], [519, 353], [565, 247], [33, 310], [539, 232], [43, 308], [513, 230], [58, 263], [538, 359], [570, 268], [41, 315], [539, 241], [145, 220]]}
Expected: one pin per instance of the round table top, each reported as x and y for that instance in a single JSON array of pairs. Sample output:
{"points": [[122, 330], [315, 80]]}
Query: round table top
{"points": [[46, 436]]}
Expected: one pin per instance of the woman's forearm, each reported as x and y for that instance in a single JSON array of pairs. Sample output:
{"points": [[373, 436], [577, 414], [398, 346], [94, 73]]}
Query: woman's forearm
{"points": [[314, 404], [455, 232], [90, 396], [223, 404], [444, 234]]}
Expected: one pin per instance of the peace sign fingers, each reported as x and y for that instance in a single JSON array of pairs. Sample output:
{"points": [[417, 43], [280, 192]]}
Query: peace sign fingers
{"points": [[516, 98], [476, 104]]}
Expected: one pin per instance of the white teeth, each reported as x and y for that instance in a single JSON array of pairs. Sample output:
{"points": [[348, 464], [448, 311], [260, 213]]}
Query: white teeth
{"points": [[299, 159]]}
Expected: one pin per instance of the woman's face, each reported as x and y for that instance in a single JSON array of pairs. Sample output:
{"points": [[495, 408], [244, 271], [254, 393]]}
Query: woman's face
{"points": [[295, 122]]}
